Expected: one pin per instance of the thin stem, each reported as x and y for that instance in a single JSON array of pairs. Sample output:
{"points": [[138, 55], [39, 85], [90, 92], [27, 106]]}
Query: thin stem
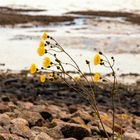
{"points": [[112, 95]]}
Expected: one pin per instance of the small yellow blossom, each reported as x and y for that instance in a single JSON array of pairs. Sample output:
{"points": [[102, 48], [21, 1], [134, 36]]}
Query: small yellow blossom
{"points": [[46, 62], [43, 78], [76, 77], [44, 36], [50, 75], [96, 76], [33, 68], [124, 116], [41, 51], [41, 44], [97, 59]]}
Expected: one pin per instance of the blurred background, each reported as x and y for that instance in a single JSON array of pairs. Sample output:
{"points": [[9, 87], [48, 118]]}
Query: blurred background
{"points": [[82, 27]]}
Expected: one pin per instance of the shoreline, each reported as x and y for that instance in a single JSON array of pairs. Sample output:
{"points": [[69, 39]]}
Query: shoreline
{"points": [[130, 17], [13, 16]]}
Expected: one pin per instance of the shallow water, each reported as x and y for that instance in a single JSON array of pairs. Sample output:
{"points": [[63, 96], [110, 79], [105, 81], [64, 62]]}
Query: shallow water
{"points": [[18, 48], [82, 38]]}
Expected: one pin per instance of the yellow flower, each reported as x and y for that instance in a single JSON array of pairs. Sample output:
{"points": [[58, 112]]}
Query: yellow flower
{"points": [[76, 77], [41, 51], [96, 76], [44, 36], [46, 62], [50, 75], [97, 59], [33, 68], [43, 78], [41, 44], [124, 116]]}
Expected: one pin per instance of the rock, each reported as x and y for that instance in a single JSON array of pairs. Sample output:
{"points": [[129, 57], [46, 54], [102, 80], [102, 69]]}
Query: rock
{"points": [[25, 105], [38, 108], [72, 109], [56, 122], [136, 123], [39, 129], [4, 108], [77, 120], [74, 130], [43, 136], [117, 128], [68, 139], [12, 115], [5, 98], [3, 130], [34, 118], [46, 115], [131, 136], [2, 138], [6, 136], [84, 115], [90, 138], [53, 132], [56, 111], [19, 121], [12, 106], [20, 127], [95, 131], [4, 119]]}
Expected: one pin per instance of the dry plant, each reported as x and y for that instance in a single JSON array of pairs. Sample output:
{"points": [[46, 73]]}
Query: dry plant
{"points": [[53, 68]]}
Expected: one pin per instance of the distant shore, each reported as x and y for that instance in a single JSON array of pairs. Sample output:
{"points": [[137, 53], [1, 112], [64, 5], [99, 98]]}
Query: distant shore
{"points": [[131, 17], [11, 16]]}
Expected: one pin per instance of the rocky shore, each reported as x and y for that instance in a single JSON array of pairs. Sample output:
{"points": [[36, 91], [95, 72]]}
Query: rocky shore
{"points": [[30, 110]]}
